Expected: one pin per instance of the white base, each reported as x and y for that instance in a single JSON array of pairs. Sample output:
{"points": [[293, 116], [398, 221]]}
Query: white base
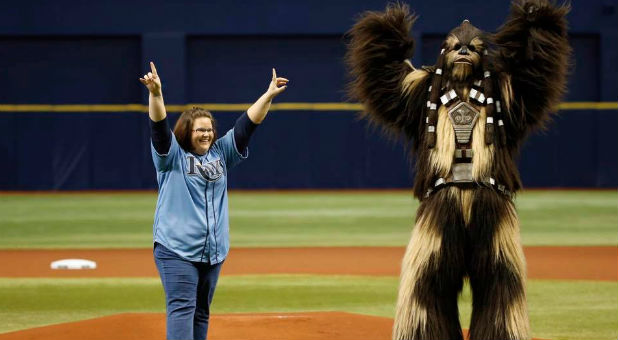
{"points": [[73, 264]]}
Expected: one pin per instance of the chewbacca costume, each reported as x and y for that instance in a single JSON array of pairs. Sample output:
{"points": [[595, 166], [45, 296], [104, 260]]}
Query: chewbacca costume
{"points": [[466, 118]]}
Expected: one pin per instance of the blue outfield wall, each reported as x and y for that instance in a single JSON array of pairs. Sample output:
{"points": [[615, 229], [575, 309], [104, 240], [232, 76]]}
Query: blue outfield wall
{"points": [[221, 52], [292, 149]]}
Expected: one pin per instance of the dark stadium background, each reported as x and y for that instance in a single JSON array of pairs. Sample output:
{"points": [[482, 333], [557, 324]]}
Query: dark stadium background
{"points": [[91, 53]]}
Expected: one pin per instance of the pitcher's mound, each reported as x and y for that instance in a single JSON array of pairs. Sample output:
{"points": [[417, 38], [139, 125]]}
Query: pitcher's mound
{"points": [[270, 326]]}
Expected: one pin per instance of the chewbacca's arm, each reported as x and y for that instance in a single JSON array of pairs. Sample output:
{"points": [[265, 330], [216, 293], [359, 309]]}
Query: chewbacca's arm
{"points": [[377, 59], [533, 49]]}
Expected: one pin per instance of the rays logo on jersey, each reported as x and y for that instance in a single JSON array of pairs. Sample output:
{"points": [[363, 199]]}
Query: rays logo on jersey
{"points": [[211, 171]]}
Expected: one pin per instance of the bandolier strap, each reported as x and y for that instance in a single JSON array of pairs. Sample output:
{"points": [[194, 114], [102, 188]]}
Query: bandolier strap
{"points": [[489, 107], [432, 103], [489, 182]]}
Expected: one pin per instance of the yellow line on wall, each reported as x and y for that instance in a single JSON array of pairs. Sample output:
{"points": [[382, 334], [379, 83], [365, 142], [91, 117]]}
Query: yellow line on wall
{"points": [[73, 108], [219, 107], [588, 106]]}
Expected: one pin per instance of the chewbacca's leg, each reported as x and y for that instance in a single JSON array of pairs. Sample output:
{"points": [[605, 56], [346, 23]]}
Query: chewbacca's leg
{"points": [[497, 270], [432, 272]]}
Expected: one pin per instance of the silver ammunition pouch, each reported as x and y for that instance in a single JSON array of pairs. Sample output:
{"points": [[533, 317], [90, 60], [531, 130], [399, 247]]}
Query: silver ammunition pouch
{"points": [[462, 173], [463, 117]]}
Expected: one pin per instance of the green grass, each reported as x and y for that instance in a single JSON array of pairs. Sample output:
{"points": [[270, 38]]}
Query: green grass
{"points": [[26, 303], [569, 217], [558, 309], [273, 219]]}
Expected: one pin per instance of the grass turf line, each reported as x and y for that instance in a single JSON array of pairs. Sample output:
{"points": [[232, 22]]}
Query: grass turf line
{"points": [[270, 219], [558, 309]]}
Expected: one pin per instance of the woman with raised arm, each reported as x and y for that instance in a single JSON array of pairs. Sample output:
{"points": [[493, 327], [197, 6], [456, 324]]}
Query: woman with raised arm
{"points": [[191, 222]]}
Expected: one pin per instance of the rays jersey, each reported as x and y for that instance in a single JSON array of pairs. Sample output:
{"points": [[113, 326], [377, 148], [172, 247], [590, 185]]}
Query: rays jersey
{"points": [[191, 217]]}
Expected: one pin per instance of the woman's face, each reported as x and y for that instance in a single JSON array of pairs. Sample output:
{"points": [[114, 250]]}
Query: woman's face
{"points": [[202, 135]]}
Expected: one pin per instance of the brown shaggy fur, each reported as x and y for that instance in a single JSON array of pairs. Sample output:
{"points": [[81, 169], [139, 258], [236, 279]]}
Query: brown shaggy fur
{"points": [[463, 230]]}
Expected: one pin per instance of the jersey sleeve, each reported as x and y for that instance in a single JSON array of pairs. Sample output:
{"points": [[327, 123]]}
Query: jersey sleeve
{"points": [[226, 145], [164, 162]]}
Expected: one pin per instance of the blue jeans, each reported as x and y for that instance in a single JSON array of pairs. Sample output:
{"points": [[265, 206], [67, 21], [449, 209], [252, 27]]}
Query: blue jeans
{"points": [[189, 288]]}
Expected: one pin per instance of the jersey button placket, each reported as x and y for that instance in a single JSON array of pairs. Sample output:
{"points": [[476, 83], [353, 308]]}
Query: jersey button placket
{"points": [[206, 250], [210, 216]]}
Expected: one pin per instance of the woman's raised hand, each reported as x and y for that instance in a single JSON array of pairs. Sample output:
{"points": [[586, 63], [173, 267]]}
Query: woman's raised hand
{"points": [[152, 80], [277, 85]]}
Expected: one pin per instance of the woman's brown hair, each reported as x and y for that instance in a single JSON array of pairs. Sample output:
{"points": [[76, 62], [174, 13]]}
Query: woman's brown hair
{"points": [[184, 126]]}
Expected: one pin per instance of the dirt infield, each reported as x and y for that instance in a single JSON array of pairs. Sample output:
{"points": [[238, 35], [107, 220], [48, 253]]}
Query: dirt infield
{"points": [[265, 326], [279, 326], [566, 263], [569, 263]]}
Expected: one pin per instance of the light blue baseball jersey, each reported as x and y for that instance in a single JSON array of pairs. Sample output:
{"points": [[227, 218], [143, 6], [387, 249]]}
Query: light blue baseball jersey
{"points": [[192, 218]]}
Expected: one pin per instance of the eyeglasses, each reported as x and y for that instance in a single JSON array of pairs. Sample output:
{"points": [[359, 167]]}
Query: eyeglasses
{"points": [[203, 130]]}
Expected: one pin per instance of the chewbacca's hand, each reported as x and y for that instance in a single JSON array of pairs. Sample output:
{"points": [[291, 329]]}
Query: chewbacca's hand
{"points": [[532, 8]]}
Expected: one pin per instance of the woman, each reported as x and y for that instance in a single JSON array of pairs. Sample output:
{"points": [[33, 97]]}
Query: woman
{"points": [[191, 224]]}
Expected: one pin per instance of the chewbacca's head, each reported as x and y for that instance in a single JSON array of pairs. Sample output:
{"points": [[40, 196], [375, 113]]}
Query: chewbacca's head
{"points": [[464, 46]]}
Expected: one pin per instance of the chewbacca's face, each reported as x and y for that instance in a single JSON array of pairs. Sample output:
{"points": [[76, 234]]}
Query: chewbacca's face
{"points": [[464, 46]]}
